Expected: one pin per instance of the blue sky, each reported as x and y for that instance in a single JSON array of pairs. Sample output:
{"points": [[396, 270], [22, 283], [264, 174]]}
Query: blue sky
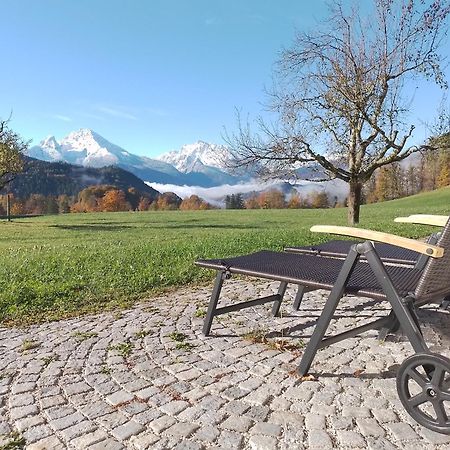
{"points": [[149, 75]]}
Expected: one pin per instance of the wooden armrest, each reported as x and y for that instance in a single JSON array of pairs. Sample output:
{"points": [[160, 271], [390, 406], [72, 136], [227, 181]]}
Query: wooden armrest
{"points": [[424, 219], [369, 235]]}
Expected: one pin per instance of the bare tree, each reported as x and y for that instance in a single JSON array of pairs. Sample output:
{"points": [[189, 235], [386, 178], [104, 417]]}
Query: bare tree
{"points": [[11, 148], [339, 95]]}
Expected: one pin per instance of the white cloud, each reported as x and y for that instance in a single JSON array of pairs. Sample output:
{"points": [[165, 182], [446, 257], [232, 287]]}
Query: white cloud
{"points": [[61, 117], [116, 112]]}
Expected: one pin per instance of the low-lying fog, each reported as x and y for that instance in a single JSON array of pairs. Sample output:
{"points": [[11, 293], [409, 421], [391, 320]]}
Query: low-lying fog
{"points": [[216, 195]]}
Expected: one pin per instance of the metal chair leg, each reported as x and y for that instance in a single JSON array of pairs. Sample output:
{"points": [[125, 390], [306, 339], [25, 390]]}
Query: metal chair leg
{"points": [[277, 303], [328, 311], [299, 297], [221, 276]]}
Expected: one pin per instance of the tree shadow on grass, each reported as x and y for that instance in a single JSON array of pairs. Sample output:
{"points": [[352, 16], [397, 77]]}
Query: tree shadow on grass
{"points": [[102, 227], [227, 227]]}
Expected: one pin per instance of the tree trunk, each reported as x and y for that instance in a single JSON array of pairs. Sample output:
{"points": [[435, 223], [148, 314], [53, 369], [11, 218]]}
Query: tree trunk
{"points": [[354, 202], [8, 207]]}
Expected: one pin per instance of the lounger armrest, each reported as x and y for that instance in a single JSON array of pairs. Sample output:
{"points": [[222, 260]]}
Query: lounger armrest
{"points": [[424, 219], [369, 235]]}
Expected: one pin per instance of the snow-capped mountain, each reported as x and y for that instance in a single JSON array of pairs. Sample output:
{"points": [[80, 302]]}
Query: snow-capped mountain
{"points": [[87, 148], [192, 156]]}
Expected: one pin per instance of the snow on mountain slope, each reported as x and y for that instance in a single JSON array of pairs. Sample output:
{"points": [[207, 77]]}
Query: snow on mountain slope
{"points": [[87, 148], [191, 157]]}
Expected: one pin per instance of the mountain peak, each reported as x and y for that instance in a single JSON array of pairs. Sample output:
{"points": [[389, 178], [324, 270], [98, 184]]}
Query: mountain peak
{"points": [[49, 142], [191, 156]]}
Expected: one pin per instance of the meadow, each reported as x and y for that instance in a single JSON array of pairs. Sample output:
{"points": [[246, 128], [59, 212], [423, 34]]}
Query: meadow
{"points": [[60, 266]]}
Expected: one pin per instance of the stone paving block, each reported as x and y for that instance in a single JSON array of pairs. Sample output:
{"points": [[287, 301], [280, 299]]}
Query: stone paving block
{"points": [[67, 421], [374, 443], [370, 427], [285, 417], [96, 409], [37, 433], [402, 431], [112, 420], [258, 413], [188, 375], [78, 429], [384, 415], [315, 421], [236, 407], [234, 393], [23, 411], [260, 442], [87, 439], [147, 416], [48, 443], [147, 392], [107, 444], [351, 439], [175, 407], [237, 423], [18, 400], [319, 439], [267, 429], [189, 445], [191, 414], [435, 438], [144, 440], [26, 422], [162, 423], [350, 411], [126, 430], [76, 388], [207, 433], [54, 400], [21, 388], [230, 440], [181, 430], [119, 397]]}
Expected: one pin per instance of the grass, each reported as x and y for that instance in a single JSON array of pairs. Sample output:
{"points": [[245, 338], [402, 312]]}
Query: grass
{"points": [[14, 441], [259, 336], [81, 336], [124, 349], [29, 344], [61, 266]]}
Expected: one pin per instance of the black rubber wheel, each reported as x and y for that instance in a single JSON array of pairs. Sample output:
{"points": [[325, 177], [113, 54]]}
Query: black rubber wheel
{"points": [[423, 385]]}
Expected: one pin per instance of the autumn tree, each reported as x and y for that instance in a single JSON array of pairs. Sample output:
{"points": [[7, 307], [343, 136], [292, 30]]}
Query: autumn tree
{"points": [[319, 200], [12, 147], [63, 204], [339, 94], [252, 202], [295, 202], [114, 201], [273, 199], [143, 204], [194, 202]]}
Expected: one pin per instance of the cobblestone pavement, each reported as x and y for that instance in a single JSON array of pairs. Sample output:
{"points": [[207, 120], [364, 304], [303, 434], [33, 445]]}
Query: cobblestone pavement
{"points": [[147, 378]]}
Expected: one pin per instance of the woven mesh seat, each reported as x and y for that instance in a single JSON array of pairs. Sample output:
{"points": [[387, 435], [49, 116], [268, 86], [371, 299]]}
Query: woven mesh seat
{"points": [[340, 249], [314, 272]]}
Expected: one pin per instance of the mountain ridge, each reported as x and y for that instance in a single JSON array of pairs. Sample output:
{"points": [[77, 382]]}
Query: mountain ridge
{"points": [[87, 148]]}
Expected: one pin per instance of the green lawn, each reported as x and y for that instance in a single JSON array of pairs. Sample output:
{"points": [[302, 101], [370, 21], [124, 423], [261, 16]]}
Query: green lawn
{"points": [[57, 266]]}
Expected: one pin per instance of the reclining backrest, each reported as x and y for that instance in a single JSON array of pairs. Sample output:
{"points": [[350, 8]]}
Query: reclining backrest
{"points": [[435, 280]]}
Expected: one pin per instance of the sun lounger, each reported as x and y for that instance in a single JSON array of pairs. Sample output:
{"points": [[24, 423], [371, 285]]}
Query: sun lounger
{"points": [[403, 287], [387, 252]]}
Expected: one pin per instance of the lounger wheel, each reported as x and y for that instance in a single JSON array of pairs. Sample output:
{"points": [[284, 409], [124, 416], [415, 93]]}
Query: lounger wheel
{"points": [[423, 385]]}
